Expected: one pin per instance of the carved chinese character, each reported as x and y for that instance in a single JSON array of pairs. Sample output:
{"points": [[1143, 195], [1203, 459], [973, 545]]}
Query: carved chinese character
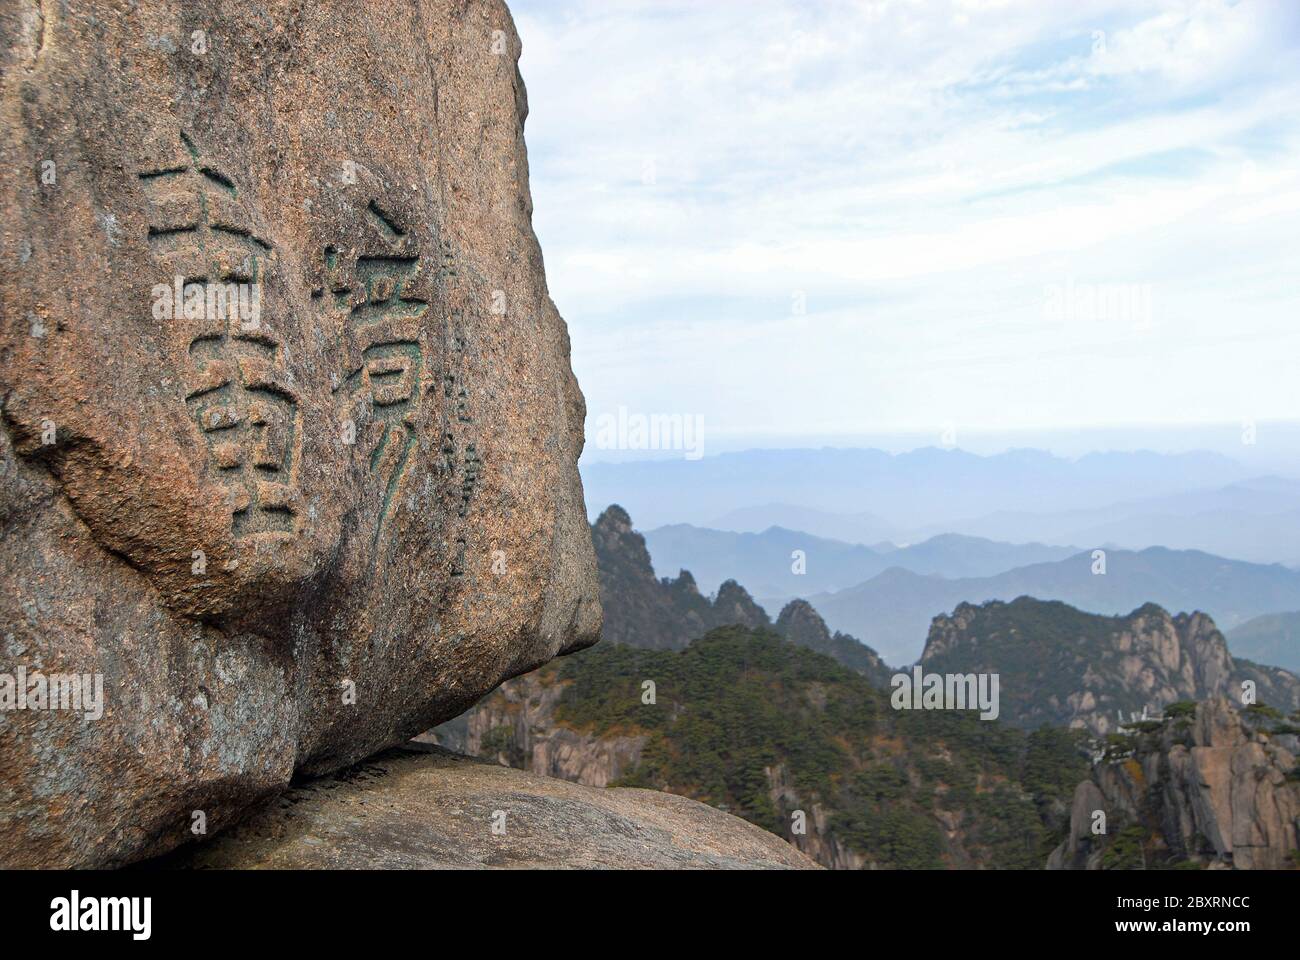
{"points": [[386, 365], [237, 389]]}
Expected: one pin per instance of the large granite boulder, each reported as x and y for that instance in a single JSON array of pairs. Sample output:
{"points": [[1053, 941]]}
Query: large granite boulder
{"points": [[413, 808], [289, 428]]}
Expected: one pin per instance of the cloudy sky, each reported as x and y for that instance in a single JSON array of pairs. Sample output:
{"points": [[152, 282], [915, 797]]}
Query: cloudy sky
{"points": [[803, 219]]}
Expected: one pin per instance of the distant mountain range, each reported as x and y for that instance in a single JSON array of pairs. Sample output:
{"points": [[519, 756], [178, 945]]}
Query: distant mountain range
{"points": [[1273, 638], [763, 561], [864, 529], [866, 497], [893, 610], [1256, 520], [924, 488]]}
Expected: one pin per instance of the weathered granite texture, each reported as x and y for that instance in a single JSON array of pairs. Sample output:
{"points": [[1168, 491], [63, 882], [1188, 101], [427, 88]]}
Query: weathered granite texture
{"points": [[414, 809], [292, 536]]}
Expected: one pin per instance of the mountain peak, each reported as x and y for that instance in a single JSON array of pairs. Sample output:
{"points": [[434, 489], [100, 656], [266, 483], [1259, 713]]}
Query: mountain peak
{"points": [[614, 518], [734, 604], [800, 623]]}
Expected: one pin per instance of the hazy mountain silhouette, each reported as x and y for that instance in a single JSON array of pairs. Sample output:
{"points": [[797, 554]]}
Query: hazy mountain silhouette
{"points": [[764, 561], [893, 610], [1273, 638], [925, 488]]}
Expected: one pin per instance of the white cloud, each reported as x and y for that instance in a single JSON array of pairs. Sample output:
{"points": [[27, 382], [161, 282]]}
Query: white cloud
{"points": [[921, 172]]}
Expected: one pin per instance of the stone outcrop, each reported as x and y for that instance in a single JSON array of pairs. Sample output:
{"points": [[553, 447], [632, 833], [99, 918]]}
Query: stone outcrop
{"points": [[324, 498], [1218, 788], [654, 613], [820, 841], [646, 611], [516, 726], [409, 809]]}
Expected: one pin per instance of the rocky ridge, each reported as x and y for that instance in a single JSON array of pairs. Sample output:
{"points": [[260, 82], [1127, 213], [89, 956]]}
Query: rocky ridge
{"points": [[1062, 666], [517, 727], [642, 610]]}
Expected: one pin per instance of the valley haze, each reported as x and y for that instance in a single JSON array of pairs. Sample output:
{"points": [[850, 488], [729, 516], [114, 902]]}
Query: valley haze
{"points": [[880, 542]]}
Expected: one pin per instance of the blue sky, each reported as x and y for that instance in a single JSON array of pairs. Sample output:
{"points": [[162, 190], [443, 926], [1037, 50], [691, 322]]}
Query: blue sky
{"points": [[801, 219]]}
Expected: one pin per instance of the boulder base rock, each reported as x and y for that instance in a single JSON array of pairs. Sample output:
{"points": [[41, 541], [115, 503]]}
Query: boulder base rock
{"points": [[427, 808], [289, 428]]}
